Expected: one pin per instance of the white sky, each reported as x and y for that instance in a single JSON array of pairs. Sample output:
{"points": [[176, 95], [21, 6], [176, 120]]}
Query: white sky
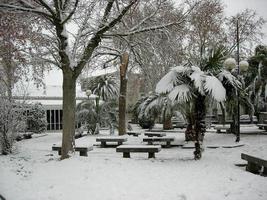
{"points": [[232, 7]]}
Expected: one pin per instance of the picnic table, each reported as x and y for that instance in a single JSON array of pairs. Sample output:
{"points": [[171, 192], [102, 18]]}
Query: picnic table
{"points": [[127, 149], [168, 140], [255, 164], [119, 140]]}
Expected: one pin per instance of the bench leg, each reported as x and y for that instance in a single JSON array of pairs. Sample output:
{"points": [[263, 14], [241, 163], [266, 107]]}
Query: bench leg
{"points": [[150, 142], [151, 155], [83, 153], [168, 144], [264, 171], [103, 144], [119, 143], [218, 131], [126, 154], [252, 167], [59, 152]]}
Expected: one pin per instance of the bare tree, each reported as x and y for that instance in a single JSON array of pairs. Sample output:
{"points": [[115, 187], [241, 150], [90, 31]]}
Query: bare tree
{"points": [[93, 21]]}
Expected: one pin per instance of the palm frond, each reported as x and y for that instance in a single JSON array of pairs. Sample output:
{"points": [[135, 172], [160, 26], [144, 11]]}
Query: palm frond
{"points": [[214, 87], [180, 93]]}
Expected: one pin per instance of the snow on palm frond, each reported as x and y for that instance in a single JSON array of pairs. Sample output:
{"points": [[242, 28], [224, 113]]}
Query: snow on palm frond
{"points": [[180, 93], [198, 77], [168, 82], [214, 87], [229, 78]]}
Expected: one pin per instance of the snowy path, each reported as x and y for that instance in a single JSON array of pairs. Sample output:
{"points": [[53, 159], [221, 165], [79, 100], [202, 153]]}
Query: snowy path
{"points": [[35, 173]]}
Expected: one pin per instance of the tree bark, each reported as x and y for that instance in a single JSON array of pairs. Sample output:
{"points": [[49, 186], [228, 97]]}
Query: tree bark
{"points": [[69, 103], [167, 123], [199, 126], [123, 93]]}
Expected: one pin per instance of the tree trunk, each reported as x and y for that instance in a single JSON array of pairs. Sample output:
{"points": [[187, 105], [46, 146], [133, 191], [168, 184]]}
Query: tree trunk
{"points": [[199, 126], [123, 93], [167, 123], [69, 103]]}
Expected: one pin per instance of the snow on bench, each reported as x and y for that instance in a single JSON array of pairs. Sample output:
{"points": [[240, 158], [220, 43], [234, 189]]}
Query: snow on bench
{"points": [[127, 149], [255, 164], [104, 140], [168, 140], [156, 134], [133, 133], [220, 127]]}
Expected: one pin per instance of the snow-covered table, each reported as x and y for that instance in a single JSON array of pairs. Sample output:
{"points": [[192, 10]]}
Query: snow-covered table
{"points": [[104, 140], [168, 140], [157, 134], [150, 149]]}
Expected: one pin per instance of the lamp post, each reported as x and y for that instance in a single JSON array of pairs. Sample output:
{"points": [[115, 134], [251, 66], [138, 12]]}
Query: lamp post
{"points": [[230, 64]]}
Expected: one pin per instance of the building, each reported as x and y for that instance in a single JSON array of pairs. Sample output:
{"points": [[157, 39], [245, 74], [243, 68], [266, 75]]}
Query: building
{"points": [[51, 99]]}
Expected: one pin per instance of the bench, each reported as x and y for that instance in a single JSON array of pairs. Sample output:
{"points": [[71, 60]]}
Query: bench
{"points": [[150, 140], [262, 126], [222, 127], [82, 150], [127, 149], [151, 134], [104, 140], [133, 133], [255, 164]]}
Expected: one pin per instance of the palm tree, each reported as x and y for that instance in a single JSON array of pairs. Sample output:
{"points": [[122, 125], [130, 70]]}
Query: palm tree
{"points": [[256, 77], [106, 88], [191, 86], [107, 116]]}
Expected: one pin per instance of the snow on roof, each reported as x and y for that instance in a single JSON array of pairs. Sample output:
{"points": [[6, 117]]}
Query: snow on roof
{"points": [[49, 91]]}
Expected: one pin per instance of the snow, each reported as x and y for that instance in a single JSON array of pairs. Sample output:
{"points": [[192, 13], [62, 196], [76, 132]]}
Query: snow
{"points": [[34, 171], [215, 88]]}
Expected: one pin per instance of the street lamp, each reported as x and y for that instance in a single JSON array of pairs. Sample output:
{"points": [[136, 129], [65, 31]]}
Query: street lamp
{"points": [[230, 64], [88, 93]]}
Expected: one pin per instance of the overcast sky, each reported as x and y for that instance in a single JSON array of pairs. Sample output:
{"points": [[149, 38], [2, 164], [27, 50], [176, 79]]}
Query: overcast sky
{"points": [[232, 7]]}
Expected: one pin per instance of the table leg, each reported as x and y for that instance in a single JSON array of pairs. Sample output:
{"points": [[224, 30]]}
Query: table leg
{"points": [[126, 154], [252, 167], [103, 144], [151, 155], [83, 153]]}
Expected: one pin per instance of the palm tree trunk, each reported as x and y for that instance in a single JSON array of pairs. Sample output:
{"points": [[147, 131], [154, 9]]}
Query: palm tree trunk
{"points": [[199, 126], [167, 123]]}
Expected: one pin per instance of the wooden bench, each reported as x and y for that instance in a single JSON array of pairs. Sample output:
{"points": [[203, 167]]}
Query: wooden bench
{"points": [[168, 140], [133, 133], [222, 127], [104, 140], [151, 134], [255, 164], [82, 150], [127, 149]]}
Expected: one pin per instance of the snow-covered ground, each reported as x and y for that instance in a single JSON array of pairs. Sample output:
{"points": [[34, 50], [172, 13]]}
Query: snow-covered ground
{"points": [[34, 172]]}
